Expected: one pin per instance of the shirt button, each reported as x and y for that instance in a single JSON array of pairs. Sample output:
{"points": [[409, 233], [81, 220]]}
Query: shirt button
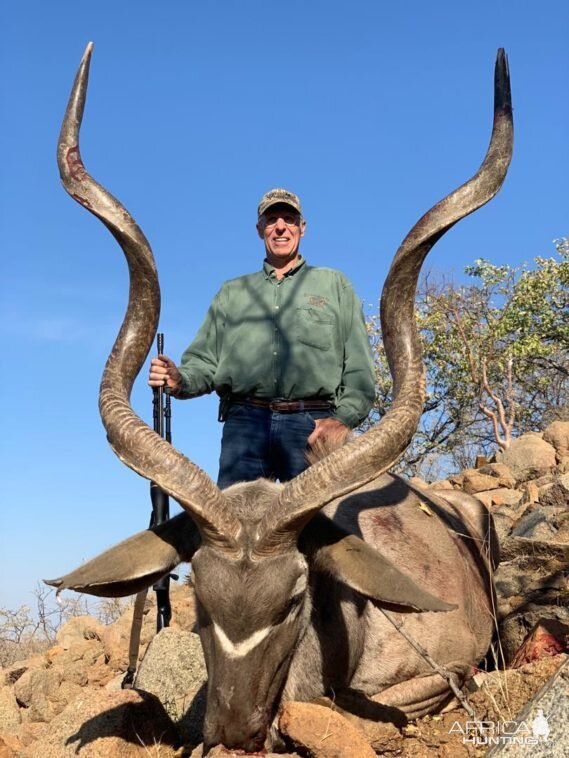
{"points": [[276, 307], [274, 352]]}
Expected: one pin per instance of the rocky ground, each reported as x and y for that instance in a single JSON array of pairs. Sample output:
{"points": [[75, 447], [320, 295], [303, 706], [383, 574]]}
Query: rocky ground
{"points": [[68, 701]]}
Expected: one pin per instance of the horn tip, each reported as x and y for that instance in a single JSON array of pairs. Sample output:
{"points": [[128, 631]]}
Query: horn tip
{"points": [[502, 89], [53, 582]]}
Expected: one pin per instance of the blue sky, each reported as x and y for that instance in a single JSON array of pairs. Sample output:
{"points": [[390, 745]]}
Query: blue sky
{"points": [[370, 111]]}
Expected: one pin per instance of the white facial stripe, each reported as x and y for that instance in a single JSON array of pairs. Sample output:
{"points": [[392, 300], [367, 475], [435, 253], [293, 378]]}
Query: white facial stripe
{"points": [[240, 649]]}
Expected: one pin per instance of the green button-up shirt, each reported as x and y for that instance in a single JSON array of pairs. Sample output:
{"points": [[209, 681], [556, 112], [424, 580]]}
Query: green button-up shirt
{"points": [[299, 337]]}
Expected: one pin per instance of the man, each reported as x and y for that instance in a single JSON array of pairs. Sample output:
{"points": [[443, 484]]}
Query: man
{"points": [[287, 351]]}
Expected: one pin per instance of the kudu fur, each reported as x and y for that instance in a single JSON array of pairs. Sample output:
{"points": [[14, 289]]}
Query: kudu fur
{"points": [[292, 580]]}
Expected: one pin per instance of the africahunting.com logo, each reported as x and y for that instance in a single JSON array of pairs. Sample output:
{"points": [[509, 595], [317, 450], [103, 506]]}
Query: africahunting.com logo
{"points": [[490, 733]]}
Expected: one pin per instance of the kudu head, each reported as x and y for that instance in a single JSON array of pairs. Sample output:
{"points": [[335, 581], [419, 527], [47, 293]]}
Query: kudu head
{"points": [[251, 545]]}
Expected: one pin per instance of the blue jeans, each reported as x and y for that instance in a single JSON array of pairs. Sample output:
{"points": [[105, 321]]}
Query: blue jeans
{"points": [[258, 442]]}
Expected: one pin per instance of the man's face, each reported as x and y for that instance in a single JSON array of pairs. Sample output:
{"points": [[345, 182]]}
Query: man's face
{"points": [[281, 229]]}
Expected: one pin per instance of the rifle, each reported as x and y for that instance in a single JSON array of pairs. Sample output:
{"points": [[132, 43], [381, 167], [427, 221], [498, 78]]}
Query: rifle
{"points": [[162, 415]]}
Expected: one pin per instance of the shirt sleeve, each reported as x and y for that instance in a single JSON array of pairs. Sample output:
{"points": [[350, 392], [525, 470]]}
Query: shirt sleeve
{"points": [[200, 360], [357, 391]]}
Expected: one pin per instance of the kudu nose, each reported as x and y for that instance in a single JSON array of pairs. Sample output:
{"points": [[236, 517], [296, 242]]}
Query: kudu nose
{"points": [[251, 739]]}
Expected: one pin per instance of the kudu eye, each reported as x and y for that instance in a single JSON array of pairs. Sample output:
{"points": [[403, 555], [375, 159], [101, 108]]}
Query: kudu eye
{"points": [[291, 605]]}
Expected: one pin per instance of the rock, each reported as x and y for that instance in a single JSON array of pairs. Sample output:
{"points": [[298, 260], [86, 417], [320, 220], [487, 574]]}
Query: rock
{"points": [[441, 484], [535, 551], [501, 472], [515, 627], [503, 524], [474, 481], [173, 670], [323, 732], [531, 493], [32, 731], [557, 434], [546, 712], [12, 673], [457, 479], [500, 496], [99, 724], [117, 636], [548, 637], [416, 481], [555, 494], [6, 751], [222, 752], [78, 660], [527, 524], [531, 585], [528, 457], [10, 718], [79, 628], [378, 723], [44, 693], [37, 690]]}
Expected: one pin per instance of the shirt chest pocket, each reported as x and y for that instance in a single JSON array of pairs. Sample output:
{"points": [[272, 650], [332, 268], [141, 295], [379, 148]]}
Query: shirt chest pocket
{"points": [[314, 327]]}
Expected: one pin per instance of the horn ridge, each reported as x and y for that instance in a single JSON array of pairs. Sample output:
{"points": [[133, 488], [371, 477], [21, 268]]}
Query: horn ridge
{"points": [[138, 446]]}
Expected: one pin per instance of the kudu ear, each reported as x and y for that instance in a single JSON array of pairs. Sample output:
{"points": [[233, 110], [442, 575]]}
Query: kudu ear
{"points": [[135, 563], [366, 570]]}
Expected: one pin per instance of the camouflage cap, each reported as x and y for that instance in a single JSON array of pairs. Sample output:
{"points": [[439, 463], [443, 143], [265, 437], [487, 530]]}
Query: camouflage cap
{"points": [[279, 195]]}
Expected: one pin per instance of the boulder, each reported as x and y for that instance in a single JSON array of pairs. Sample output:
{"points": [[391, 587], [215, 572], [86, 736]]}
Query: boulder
{"points": [[528, 457], [441, 484], [380, 724], [32, 731], [474, 481], [528, 525], [173, 670], [222, 752], [6, 750], [499, 497], [501, 472], [78, 661], [322, 732], [79, 628], [10, 718], [12, 673], [548, 637], [557, 434], [101, 724], [37, 690], [116, 637]]}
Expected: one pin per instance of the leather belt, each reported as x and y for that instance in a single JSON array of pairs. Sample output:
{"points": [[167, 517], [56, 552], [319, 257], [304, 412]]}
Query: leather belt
{"points": [[284, 406]]}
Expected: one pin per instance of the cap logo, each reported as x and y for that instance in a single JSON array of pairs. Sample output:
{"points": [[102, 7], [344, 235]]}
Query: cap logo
{"points": [[278, 195]]}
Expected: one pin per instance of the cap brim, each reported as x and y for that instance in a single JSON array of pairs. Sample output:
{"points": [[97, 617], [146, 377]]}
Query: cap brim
{"points": [[278, 202]]}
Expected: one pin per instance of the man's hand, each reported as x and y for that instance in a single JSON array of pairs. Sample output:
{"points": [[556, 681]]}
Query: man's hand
{"points": [[163, 373], [328, 429]]}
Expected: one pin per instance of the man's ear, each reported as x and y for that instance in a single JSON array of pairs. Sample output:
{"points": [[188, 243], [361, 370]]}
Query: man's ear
{"points": [[259, 228], [135, 563], [302, 227]]}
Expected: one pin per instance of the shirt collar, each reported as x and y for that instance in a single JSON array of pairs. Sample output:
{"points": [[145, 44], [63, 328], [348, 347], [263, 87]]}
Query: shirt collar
{"points": [[270, 270]]}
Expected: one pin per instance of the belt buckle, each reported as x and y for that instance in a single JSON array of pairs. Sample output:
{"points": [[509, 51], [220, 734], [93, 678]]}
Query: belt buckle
{"points": [[274, 402]]}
